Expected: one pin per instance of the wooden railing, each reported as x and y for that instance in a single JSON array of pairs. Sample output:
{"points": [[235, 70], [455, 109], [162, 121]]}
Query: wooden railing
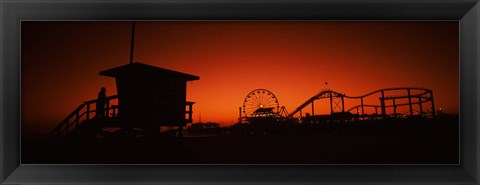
{"points": [[87, 111], [188, 113], [84, 111]]}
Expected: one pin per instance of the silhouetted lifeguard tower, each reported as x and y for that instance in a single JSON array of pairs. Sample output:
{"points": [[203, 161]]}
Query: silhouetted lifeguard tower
{"points": [[148, 97]]}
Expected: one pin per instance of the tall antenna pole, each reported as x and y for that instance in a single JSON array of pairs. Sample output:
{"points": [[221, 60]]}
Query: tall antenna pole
{"points": [[132, 42]]}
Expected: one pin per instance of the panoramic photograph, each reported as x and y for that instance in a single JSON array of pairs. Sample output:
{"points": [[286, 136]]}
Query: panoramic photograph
{"points": [[240, 92]]}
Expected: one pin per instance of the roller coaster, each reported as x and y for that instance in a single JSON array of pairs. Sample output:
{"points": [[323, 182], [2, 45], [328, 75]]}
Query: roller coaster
{"points": [[398, 102], [414, 98]]}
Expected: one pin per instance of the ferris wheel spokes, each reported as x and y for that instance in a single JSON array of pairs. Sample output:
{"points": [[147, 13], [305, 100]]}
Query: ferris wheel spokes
{"points": [[260, 103]]}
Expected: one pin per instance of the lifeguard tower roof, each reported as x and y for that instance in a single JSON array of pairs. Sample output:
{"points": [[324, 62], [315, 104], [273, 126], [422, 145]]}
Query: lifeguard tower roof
{"points": [[144, 69]]}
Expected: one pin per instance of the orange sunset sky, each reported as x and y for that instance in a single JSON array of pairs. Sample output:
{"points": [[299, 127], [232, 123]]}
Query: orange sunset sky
{"points": [[293, 59]]}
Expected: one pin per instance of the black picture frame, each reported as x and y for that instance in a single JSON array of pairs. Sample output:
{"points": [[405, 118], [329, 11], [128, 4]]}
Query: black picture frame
{"points": [[467, 12]]}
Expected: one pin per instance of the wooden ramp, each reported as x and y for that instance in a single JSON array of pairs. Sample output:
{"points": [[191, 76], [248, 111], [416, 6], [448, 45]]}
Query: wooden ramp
{"points": [[83, 123]]}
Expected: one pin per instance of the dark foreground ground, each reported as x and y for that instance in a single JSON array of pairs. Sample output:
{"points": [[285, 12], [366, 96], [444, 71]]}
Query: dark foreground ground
{"points": [[422, 142]]}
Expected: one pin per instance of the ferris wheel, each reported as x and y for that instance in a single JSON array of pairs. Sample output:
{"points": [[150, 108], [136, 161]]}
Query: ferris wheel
{"points": [[260, 103]]}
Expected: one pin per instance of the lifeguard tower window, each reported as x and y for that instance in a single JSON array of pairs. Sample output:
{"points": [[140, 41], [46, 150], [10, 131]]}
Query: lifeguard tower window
{"points": [[150, 96]]}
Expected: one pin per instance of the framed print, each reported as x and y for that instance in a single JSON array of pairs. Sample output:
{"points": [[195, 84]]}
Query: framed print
{"points": [[282, 92], [147, 112]]}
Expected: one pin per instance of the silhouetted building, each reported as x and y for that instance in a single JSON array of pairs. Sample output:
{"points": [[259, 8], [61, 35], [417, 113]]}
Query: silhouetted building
{"points": [[149, 96], [264, 112]]}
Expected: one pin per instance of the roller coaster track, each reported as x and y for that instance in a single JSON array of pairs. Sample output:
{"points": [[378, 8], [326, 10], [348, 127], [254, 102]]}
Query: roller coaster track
{"points": [[424, 96]]}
